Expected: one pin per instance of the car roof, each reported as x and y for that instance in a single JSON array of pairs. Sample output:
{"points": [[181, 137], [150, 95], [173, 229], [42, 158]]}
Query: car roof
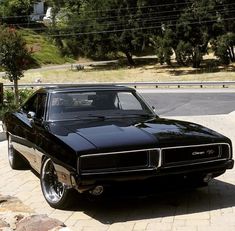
{"points": [[84, 87]]}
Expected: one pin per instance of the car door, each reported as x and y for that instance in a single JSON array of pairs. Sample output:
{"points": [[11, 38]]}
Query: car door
{"points": [[23, 134], [31, 114], [40, 131]]}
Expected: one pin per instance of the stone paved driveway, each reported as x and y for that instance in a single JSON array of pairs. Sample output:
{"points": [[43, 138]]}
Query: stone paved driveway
{"points": [[210, 209]]}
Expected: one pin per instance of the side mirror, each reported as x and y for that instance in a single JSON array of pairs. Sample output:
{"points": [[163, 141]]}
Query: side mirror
{"points": [[153, 108], [31, 115]]}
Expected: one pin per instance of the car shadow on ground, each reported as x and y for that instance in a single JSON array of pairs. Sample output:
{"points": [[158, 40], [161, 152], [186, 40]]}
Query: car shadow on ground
{"points": [[124, 206]]}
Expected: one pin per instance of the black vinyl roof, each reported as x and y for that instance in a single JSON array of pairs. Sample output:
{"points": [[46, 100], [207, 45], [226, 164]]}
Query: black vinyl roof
{"points": [[83, 87]]}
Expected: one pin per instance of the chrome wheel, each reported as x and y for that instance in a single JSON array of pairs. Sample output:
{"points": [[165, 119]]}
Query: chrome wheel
{"points": [[10, 152], [53, 190]]}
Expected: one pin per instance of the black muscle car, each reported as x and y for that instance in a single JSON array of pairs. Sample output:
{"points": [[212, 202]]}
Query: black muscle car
{"points": [[83, 138]]}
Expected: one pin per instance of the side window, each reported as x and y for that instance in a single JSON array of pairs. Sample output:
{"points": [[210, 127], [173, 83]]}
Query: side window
{"points": [[36, 104], [41, 104], [127, 101], [31, 105]]}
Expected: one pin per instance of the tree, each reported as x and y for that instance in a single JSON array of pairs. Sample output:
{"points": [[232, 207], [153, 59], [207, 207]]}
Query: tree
{"points": [[223, 42], [192, 25], [163, 45], [14, 56], [225, 13], [110, 29], [16, 11], [184, 27], [109, 26], [224, 48], [193, 31]]}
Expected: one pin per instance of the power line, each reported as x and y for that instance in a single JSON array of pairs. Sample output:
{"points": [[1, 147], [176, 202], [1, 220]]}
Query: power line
{"points": [[150, 6], [20, 16], [147, 21], [143, 7], [168, 18], [118, 10], [137, 19], [133, 29], [109, 10]]}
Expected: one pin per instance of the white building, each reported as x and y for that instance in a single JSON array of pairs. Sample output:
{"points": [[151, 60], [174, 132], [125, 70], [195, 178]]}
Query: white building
{"points": [[38, 11]]}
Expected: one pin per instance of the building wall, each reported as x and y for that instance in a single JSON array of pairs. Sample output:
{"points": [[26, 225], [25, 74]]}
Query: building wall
{"points": [[38, 11], [38, 8]]}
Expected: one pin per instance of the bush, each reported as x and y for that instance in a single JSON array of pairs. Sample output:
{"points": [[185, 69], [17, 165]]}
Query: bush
{"points": [[224, 48], [184, 53], [9, 96], [9, 99]]}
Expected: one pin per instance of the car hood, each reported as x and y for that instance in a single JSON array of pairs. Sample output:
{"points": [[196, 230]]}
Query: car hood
{"points": [[125, 134], [179, 133]]}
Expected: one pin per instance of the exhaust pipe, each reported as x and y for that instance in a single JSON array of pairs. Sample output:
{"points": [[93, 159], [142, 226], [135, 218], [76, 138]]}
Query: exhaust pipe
{"points": [[97, 191], [208, 177]]}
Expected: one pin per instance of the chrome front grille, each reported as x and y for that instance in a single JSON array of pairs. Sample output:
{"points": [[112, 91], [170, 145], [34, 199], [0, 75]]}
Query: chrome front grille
{"points": [[119, 161], [194, 154], [149, 159]]}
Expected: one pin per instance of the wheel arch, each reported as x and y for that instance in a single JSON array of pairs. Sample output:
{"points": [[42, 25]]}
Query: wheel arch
{"points": [[64, 172], [57, 193]]}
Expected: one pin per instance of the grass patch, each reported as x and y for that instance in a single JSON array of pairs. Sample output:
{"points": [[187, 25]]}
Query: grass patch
{"points": [[147, 73], [43, 50]]}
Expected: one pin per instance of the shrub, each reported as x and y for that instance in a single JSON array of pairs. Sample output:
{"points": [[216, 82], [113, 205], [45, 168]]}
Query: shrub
{"points": [[9, 100], [224, 48]]}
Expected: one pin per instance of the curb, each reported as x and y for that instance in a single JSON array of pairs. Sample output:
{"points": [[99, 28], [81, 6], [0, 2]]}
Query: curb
{"points": [[2, 136], [2, 133]]}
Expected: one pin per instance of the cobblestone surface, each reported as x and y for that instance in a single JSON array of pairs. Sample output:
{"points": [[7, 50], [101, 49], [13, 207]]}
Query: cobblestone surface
{"points": [[211, 208]]}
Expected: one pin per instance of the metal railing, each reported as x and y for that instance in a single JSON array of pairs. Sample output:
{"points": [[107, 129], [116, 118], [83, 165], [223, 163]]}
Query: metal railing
{"points": [[200, 84]]}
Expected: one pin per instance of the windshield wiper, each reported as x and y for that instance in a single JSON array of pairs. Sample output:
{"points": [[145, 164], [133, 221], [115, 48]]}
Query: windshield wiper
{"points": [[88, 117], [140, 115], [97, 117], [102, 117]]}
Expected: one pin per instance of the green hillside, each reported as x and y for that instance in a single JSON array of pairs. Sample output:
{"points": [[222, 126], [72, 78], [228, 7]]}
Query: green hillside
{"points": [[43, 50]]}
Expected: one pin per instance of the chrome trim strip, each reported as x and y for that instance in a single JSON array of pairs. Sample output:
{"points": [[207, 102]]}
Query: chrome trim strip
{"points": [[197, 145], [78, 165], [220, 151], [113, 153], [149, 159], [160, 158], [124, 171], [149, 169], [191, 164]]}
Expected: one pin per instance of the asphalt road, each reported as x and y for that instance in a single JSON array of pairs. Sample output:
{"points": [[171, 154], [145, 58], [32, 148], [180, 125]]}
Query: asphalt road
{"points": [[191, 102]]}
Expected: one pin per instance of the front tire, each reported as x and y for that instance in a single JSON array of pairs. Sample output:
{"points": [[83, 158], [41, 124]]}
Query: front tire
{"points": [[56, 193]]}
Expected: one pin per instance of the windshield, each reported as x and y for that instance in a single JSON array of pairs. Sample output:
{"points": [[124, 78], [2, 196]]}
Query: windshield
{"points": [[71, 105]]}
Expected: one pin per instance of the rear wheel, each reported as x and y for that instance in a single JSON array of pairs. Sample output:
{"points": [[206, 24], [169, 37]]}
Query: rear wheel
{"points": [[16, 161], [56, 193]]}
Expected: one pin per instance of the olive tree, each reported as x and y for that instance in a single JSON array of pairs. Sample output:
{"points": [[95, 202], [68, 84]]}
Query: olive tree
{"points": [[14, 56]]}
